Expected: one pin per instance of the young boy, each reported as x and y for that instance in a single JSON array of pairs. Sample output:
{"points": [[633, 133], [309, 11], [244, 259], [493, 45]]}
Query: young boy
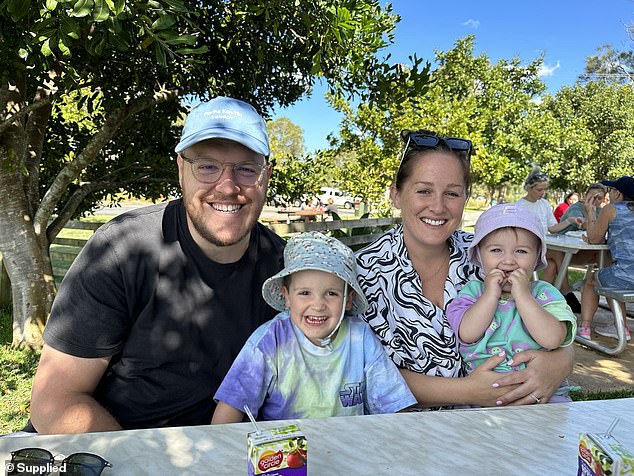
{"points": [[509, 313], [309, 361]]}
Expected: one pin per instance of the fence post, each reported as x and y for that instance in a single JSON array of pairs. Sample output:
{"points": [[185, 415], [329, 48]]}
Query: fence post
{"points": [[5, 286]]}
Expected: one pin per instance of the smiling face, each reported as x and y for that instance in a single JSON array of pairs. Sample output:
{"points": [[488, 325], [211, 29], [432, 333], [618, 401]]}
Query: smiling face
{"points": [[315, 299], [508, 249], [432, 198], [221, 215]]}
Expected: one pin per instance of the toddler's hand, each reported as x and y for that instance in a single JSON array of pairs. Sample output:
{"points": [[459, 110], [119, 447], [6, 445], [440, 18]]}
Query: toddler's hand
{"points": [[520, 283], [493, 282]]}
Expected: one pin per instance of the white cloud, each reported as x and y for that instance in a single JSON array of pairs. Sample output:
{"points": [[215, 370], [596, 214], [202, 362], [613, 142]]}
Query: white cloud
{"points": [[546, 70], [472, 23]]}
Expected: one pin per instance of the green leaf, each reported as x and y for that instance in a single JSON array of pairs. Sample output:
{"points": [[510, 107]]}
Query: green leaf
{"points": [[46, 48], [63, 48], [177, 5], [111, 5], [70, 27], [159, 50], [164, 22], [82, 8], [100, 12], [193, 51], [18, 8], [119, 5], [51, 5]]}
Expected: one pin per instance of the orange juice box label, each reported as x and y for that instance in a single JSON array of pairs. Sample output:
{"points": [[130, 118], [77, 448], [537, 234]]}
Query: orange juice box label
{"points": [[601, 455], [277, 452]]}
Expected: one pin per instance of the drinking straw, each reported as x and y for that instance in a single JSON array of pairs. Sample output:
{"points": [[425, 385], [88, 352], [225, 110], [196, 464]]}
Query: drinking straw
{"points": [[247, 410], [611, 427]]}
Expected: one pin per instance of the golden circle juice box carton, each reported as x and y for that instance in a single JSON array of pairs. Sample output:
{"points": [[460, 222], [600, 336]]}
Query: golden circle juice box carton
{"points": [[277, 452], [602, 455]]}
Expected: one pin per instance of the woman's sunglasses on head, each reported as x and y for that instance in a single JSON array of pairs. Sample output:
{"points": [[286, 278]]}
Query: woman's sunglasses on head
{"points": [[29, 461], [426, 140]]}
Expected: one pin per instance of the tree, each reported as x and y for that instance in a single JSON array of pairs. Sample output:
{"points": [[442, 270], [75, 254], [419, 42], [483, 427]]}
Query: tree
{"points": [[610, 65], [596, 138], [124, 65], [294, 173], [470, 96]]}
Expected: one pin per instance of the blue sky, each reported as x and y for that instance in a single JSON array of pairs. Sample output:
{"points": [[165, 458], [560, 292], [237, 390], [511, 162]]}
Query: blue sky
{"points": [[565, 31]]}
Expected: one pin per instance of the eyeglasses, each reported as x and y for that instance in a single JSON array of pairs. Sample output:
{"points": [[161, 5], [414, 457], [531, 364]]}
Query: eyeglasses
{"points": [[28, 461], [423, 140], [209, 171]]}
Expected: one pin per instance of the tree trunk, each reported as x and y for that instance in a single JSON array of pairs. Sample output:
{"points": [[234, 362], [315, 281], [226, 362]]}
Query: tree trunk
{"points": [[26, 258]]}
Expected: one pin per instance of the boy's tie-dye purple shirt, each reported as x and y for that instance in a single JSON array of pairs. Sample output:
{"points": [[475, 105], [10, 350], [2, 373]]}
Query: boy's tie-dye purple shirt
{"points": [[280, 372]]}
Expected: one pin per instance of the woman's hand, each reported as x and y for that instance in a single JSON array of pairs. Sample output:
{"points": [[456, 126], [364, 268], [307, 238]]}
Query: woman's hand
{"points": [[543, 374], [481, 383]]}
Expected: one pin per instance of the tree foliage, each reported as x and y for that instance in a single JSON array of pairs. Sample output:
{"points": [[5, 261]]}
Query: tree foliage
{"points": [[470, 96], [122, 66]]}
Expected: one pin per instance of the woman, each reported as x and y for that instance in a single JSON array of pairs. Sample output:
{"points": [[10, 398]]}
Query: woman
{"points": [[570, 199], [617, 220], [536, 186], [414, 270]]}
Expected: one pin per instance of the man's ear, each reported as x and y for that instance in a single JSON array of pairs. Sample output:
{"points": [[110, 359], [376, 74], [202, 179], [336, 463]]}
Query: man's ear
{"points": [[179, 162]]}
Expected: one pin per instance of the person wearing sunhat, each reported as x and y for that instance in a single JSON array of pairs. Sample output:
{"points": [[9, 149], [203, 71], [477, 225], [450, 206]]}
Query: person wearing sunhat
{"points": [[617, 220], [508, 313], [153, 311], [316, 358]]}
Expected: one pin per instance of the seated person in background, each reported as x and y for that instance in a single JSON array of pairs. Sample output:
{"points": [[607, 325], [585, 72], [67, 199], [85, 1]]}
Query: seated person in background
{"points": [[536, 185], [570, 199], [309, 361], [331, 207], [578, 210], [595, 192], [508, 313], [617, 219]]}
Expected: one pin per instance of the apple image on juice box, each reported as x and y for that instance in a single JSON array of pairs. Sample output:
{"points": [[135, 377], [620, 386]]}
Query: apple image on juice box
{"points": [[278, 451]]}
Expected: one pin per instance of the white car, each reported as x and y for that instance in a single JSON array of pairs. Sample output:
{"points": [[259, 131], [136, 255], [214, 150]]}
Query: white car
{"points": [[341, 199]]}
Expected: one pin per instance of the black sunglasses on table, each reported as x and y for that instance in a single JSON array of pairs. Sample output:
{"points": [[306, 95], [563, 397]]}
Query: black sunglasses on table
{"points": [[427, 140], [29, 461]]}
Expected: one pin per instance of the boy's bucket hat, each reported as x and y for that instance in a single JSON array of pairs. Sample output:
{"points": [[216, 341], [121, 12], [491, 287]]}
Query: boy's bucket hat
{"points": [[319, 252], [225, 118], [624, 184], [504, 215]]}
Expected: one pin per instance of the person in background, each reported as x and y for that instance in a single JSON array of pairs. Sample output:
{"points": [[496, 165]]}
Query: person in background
{"points": [[536, 186], [310, 361], [509, 313], [156, 307], [617, 220], [331, 207], [570, 199], [414, 270], [595, 191]]}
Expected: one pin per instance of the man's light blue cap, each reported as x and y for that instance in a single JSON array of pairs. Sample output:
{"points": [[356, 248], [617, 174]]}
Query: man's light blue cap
{"points": [[226, 118]]}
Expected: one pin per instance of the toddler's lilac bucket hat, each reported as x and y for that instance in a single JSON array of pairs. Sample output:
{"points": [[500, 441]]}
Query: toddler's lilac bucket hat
{"points": [[316, 251], [504, 215]]}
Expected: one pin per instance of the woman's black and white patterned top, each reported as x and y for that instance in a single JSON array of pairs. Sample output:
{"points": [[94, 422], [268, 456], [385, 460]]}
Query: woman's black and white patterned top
{"points": [[414, 332]]}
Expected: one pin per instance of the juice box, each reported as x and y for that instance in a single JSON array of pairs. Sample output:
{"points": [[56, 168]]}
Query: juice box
{"points": [[277, 452], [603, 455]]}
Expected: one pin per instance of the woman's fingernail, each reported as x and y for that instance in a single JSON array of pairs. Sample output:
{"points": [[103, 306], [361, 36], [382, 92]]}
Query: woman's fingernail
{"points": [[510, 362], [499, 402], [503, 353], [495, 385]]}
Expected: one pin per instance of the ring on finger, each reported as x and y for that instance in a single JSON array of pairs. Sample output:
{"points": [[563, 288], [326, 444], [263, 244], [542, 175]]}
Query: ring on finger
{"points": [[535, 397]]}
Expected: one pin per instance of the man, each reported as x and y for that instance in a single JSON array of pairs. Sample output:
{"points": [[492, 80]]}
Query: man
{"points": [[160, 301]]}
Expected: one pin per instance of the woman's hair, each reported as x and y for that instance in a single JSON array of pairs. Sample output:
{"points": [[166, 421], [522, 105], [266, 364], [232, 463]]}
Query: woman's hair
{"points": [[569, 196], [534, 177], [405, 168]]}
